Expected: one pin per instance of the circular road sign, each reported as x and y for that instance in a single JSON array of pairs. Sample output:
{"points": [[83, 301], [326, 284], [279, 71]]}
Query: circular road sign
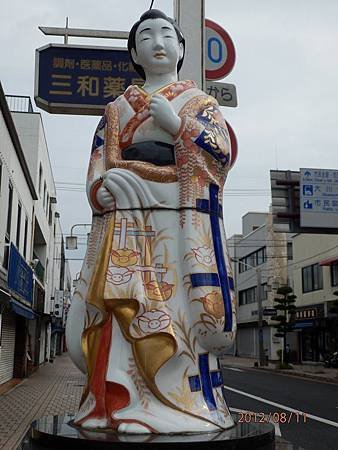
{"points": [[233, 143], [220, 51]]}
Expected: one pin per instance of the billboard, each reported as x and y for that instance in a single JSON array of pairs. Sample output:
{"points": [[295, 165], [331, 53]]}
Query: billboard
{"points": [[77, 79], [20, 277]]}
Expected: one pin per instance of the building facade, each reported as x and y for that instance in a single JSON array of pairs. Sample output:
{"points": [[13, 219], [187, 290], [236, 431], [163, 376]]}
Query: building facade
{"points": [[31, 243], [308, 263], [17, 198], [260, 262], [315, 282]]}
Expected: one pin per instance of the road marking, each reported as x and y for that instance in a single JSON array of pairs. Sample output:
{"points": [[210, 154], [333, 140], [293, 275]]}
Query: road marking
{"points": [[276, 425], [233, 368], [287, 408]]}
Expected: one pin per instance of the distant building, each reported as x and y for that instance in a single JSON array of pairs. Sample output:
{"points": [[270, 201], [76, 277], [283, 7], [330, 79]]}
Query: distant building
{"points": [[257, 248], [308, 263]]}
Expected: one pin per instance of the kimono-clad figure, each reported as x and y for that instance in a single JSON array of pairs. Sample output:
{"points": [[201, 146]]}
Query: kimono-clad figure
{"points": [[154, 307]]}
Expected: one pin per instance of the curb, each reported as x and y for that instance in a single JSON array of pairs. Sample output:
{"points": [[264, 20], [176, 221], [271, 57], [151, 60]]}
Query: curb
{"points": [[301, 375], [287, 373]]}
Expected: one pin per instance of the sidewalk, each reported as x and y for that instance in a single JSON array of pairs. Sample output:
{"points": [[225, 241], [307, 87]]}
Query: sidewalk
{"points": [[319, 373], [54, 389]]}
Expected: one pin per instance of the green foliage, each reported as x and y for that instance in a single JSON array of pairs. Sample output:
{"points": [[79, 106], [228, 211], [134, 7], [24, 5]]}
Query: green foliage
{"points": [[284, 304], [283, 366], [284, 290]]}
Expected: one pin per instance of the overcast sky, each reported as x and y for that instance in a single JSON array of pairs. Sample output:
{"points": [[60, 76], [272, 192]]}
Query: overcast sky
{"points": [[286, 75]]}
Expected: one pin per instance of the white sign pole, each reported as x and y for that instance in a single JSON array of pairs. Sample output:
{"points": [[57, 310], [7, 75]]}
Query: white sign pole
{"points": [[189, 14]]}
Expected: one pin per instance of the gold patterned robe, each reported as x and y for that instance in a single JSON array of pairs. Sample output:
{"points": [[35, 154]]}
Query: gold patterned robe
{"points": [[156, 279]]}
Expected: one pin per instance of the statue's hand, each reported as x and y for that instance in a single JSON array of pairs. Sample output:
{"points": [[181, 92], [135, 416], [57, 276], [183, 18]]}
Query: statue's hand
{"points": [[105, 198], [164, 115]]}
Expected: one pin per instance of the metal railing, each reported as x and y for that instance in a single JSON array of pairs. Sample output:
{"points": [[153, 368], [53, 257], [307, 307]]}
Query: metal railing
{"points": [[19, 103]]}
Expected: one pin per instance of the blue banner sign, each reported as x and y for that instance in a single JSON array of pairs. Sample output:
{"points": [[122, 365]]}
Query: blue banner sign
{"points": [[73, 79], [20, 276]]}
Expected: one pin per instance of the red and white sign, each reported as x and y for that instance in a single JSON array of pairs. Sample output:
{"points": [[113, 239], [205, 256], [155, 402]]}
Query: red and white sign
{"points": [[234, 145], [220, 51]]}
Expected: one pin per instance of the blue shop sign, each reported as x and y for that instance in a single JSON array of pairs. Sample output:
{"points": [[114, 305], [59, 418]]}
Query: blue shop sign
{"points": [[75, 79], [20, 276]]}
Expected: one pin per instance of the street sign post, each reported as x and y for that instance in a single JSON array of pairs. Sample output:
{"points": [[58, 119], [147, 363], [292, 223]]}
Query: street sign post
{"points": [[288, 197], [220, 53], [319, 198], [269, 312], [224, 93]]}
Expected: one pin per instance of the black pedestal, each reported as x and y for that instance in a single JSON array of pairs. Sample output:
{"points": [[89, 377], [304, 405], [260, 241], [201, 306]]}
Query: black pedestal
{"points": [[59, 432]]}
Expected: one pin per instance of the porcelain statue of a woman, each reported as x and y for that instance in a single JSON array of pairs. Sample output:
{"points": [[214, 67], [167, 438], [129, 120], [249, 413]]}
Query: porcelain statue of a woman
{"points": [[154, 307]]}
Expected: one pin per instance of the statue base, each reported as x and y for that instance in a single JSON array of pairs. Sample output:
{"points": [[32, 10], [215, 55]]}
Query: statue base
{"points": [[59, 432]]}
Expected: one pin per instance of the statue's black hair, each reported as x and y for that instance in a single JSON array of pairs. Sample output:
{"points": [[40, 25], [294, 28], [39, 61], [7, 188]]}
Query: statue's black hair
{"points": [[153, 14]]}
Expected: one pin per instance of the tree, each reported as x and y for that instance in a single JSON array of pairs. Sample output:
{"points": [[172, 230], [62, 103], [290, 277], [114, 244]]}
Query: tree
{"points": [[284, 304]]}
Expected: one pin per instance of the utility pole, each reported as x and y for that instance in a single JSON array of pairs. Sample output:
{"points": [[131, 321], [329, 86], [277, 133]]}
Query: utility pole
{"points": [[260, 318], [190, 16]]}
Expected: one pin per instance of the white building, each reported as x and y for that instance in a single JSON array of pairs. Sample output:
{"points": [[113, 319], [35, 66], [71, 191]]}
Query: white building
{"points": [[315, 281], [17, 198], [308, 263], [31, 242], [45, 244], [259, 256]]}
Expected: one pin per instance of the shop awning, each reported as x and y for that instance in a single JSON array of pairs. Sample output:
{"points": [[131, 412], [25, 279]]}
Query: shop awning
{"points": [[299, 325], [23, 310], [329, 261]]}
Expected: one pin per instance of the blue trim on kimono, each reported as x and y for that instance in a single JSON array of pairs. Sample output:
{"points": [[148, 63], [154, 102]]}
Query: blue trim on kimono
{"points": [[208, 279], [220, 261], [206, 381], [203, 141]]}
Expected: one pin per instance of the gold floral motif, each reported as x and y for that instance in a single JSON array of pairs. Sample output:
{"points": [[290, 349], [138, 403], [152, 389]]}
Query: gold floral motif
{"points": [[183, 396], [187, 337], [159, 291], [124, 257], [141, 387], [213, 304]]}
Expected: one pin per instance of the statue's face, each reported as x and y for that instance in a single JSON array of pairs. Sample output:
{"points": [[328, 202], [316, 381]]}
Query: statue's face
{"points": [[157, 48]]}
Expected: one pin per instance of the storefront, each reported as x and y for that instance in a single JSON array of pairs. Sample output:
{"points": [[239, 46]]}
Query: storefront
{"points": [[20, 288], [310, 324], [7, 336]]}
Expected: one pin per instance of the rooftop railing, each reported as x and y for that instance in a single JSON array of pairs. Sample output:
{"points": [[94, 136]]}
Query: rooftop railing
{"points": [[19, 103]]}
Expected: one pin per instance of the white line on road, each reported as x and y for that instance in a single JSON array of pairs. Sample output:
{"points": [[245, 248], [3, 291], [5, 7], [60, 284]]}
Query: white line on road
{"points": [[275, 424], [233, 368], [287, 408]]}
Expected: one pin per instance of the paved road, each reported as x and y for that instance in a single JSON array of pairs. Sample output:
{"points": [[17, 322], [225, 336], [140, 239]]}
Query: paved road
{"points": [[318, 430]]}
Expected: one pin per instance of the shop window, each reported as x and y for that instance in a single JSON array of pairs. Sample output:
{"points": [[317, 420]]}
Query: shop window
{"points": [[312, 278], [9, 210], [44, 195], [247, 296], [289, 251], [18, 227], [25, 238], [334, 274], [40, 178], [254, 259]]}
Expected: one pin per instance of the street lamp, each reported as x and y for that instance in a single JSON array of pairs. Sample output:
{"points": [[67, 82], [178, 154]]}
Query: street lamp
{"points": [[71, 241], [262, 360]]}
